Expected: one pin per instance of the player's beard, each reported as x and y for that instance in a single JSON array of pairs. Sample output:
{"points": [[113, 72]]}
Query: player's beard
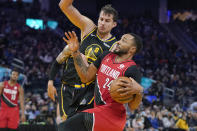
{"points": [[120, 52]]}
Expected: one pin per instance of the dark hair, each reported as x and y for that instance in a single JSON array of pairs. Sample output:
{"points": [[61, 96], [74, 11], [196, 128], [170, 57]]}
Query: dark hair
{"points": [[16, 70], [138, 42], [108, 9]]}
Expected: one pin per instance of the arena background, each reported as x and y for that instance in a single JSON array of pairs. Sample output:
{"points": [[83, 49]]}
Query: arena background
{"points": [[31, 37]]}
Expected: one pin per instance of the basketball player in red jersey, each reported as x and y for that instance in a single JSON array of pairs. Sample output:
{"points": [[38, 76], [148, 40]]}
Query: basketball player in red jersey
{"points": [[107, 114], [10, 93]]}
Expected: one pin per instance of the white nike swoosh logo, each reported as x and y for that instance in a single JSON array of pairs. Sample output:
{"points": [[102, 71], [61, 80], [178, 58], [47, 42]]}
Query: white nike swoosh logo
{"points": [[92, 35]]}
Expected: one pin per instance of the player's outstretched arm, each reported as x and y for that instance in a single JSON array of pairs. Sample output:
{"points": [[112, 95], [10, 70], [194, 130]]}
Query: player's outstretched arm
{"points": [[21, 99], [62, 57], [86, 72], [84, 23]]}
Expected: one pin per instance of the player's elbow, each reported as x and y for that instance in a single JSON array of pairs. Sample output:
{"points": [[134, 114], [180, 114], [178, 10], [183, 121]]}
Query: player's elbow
{"points": [[132, 108], [61, 5], [85, 80], [64, 4], [134, 104]]}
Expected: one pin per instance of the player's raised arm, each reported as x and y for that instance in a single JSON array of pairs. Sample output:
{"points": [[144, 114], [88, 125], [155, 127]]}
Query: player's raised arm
{"points": [[86, 72], [79, 20]]}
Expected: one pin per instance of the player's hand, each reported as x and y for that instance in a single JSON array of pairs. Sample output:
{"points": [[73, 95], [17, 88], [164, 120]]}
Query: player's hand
{"points": [[52, 92], [72, 41], [131, 88], [23, 118]]}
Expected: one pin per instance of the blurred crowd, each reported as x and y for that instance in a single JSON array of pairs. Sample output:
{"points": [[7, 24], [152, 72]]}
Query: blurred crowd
{"points": [[160, 118], [39, 109], [189, 27], [161, 60]]}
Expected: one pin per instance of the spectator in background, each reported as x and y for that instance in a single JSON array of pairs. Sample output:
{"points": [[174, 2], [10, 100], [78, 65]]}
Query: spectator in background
{"points": [[192, 117], [138, 123], [182, 123], [153, 120]]}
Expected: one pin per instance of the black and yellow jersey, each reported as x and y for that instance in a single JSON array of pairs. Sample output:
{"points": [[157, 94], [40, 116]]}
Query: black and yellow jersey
{"points": [[91, 46]]}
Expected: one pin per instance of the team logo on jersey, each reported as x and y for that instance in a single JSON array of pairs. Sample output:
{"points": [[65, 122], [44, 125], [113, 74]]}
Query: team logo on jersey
{"points": [[92, 52], [107, 59], [93, 35], [121, 66], [15, 87]]}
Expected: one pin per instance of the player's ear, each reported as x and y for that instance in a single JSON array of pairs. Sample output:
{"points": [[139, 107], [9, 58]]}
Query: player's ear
{"points": [[132, 50], [114, 24]]}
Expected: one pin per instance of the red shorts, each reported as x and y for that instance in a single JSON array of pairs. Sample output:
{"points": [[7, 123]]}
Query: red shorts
{"points": [[108, 118], [9, 117]]}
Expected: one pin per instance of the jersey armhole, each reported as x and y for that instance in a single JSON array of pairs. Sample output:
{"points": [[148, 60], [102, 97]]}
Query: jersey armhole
{"points": [[88, 34], [123, 73], [19, 87], [134, 64]]}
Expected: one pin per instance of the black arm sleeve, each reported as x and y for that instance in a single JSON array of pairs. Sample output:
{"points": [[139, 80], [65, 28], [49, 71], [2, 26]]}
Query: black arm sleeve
{"points": [[134, 73], [54, 70], [100, 58]]}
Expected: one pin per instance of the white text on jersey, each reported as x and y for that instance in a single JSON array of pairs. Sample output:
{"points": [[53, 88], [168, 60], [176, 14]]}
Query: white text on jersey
{"points": [[109, 71]]}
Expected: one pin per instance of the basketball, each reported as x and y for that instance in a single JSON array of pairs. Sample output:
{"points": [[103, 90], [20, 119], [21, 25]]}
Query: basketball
{"points": [[116, 95]]}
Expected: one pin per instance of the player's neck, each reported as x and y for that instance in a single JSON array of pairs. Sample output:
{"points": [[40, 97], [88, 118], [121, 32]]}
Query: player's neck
{"points": [[11, 82], [104, 37], [123, 58]]}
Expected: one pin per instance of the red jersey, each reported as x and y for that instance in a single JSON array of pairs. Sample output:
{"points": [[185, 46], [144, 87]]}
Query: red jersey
{"points": [[106, 110], [108, 71], [10, 95]]}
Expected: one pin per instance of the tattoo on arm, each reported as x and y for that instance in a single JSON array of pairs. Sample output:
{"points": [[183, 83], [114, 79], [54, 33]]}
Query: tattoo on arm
{"points": [[80, 63]]}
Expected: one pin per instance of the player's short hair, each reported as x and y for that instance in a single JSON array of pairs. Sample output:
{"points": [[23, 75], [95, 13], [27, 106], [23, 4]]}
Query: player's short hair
{"points": [[108, 9], [15, 70], [138, 42]]}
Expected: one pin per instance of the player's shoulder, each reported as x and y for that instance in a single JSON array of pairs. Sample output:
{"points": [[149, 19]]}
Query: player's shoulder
{"points": [[18, 85], [91, 33], [2, 83]]}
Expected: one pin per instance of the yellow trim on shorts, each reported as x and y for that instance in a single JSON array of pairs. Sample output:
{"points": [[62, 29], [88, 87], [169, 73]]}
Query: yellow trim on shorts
{"points": [[63, 103], [88, 34], [83, 85]]}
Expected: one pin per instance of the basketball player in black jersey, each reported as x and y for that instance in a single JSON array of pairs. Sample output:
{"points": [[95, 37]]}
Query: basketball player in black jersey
{"points": [[75, 95]]}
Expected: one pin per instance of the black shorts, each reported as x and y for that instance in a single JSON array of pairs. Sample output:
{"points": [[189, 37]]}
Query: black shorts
{"points": [[72, 100], [82, 121]]}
